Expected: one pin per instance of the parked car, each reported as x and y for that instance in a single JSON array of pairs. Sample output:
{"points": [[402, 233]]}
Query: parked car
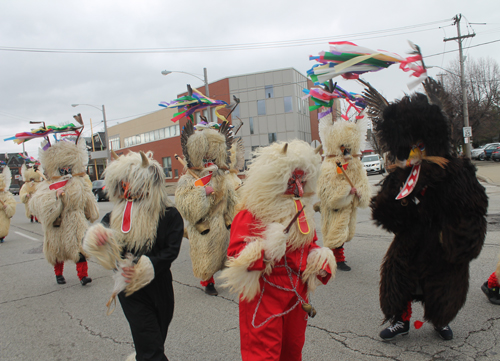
{"points": [[14, 189], [99, 190], [495, 155], [373, 163], [478, 153], [489, 148]]}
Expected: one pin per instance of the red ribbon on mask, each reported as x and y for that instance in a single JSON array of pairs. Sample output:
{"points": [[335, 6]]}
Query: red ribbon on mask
{"points": [[127, 217]]}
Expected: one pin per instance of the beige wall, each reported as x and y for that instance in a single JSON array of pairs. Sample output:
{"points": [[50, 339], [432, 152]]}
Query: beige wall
{"points": [[146, 123]]}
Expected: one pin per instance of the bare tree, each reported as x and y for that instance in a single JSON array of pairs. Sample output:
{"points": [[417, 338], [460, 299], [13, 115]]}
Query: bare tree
{"points": [[483, 96]]}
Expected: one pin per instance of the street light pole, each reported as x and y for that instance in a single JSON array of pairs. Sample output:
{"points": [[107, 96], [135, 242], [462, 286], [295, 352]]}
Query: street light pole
{"points": [[204, 80], [106, 140]]}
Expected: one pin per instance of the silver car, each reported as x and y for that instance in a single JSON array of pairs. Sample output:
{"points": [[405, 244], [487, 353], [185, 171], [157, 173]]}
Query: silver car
{"points": [[373, 163]]}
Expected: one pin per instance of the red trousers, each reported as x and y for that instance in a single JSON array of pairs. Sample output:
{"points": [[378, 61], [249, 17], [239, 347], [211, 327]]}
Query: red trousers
{"points": [[281, 338]]}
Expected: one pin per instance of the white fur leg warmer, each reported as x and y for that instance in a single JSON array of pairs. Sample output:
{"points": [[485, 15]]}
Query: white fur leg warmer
{"points": [[315, 263], [274, 241], [237, 276], [144, 273], [107, 255]]}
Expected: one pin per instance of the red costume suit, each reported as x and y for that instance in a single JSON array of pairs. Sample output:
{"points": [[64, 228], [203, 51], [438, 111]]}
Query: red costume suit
{"points": [[264, 330], [273, 259]]}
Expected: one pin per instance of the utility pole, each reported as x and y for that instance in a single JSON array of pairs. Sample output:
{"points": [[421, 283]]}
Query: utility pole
{"points": [[467, 130]]}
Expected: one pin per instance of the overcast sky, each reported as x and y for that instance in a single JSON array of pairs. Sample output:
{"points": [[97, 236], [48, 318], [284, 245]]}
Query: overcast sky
{"points": [[41, 86]]}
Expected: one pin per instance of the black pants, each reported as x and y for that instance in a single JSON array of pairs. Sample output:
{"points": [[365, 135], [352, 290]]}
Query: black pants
{"points": [[149, 312]]}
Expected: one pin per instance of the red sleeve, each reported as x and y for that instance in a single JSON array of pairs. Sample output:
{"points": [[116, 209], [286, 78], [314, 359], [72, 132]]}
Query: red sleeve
{"points": [[244, 225], [313, 244]]}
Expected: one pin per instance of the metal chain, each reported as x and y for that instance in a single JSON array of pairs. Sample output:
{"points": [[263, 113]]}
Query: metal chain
{"points": [[300, 300]]}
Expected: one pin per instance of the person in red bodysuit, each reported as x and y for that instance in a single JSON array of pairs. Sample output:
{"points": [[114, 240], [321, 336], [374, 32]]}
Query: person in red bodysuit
{"points": [[273, 259]]}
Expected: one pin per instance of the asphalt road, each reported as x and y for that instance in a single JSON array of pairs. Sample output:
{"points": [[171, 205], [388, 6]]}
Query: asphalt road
{"points": [[40, 320]]}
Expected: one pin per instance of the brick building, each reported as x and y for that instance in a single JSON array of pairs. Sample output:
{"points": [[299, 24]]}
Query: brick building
{"points": [[271, 109]]}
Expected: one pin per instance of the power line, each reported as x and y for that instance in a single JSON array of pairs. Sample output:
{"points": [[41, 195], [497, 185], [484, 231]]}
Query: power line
{"points": [[468, 47], [227, 47]]}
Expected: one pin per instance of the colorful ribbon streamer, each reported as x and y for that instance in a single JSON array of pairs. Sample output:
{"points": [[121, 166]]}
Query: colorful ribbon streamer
{"points": [[350, 60], [189, 104], [43, 132]]}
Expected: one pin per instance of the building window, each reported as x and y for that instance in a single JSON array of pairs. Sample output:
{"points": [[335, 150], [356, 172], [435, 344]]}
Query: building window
{"points": [[161, 133], [114, 142], [273, 137], [251, 125], [167, 166], [157, 135], [261, 107], [269, 91], [146, 137], [176, 171], [288, 104], [126, 141]]}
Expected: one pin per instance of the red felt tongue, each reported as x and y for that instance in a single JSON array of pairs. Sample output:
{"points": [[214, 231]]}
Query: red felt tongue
{"points": [[410, 183], [58, 185], [127, 212], [302, 220]]}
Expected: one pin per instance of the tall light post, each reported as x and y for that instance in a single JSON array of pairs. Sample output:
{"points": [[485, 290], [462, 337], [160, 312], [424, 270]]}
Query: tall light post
{"points": [[105, 126], [204, 80]]}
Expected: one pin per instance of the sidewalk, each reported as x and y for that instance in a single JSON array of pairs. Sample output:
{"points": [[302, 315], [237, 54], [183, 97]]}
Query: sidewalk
{"points": [[488, 171]]}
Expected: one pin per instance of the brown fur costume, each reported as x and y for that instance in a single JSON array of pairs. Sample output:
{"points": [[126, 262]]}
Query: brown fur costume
{"points": [[64, 219], [31, 178], [209, 216], [440, 226], [8, 205], [338, 206]]}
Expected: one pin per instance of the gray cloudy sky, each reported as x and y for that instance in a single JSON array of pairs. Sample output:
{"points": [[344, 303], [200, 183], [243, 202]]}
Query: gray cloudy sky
{"points": [[42, 86]]}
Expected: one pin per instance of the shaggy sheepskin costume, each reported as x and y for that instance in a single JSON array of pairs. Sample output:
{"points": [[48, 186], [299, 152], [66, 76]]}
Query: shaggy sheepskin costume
{"points": [[8, 203], [65, 218], [273, 259], [341, 141], [237, 164], [434, 205], [31, 178], [144, 231], [208, 209]]}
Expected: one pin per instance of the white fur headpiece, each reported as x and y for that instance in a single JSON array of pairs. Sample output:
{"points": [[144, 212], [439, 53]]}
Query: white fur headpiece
{"points": [[267, 176], [64, 154], [333, 135]]}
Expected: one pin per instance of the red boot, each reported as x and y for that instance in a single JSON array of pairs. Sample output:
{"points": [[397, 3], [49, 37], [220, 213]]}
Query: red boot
{"points": [[58, 270], [340, 259], [82, 272]]}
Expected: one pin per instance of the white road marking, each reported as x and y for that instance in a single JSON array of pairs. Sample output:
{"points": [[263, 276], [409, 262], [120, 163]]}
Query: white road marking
{"points": [[33, 239]]}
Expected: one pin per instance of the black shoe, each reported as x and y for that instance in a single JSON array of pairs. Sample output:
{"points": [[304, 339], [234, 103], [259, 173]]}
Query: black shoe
{"points": [[60, 280], [445, 332], [397, 328], [85, 280], [1, 239], [343, 266], [492, 293], [210, 290]]}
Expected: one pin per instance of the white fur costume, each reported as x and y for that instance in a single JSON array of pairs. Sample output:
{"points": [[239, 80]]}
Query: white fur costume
{"points": [[338, 206], [209, 216], [8, 203], [149, 243], [72, 210], [31, 179]]}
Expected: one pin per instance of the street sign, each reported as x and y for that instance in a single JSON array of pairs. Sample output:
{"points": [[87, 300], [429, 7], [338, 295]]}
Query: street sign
{"points": [[467, 132]]}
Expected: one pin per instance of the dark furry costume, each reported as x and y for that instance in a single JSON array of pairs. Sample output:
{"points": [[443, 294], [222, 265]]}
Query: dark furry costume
{"points": [[440, 226]]}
